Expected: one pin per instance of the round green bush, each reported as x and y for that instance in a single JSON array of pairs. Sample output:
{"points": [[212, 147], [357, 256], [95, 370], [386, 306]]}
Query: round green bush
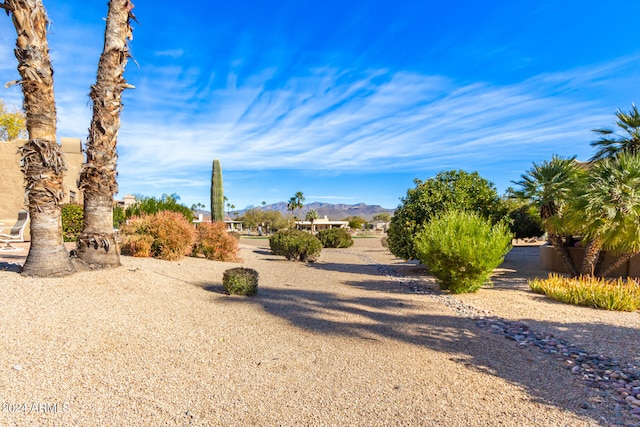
{"points": [[461, 249], [335, 238], [295, 245], [240, 281], [72, 221]]}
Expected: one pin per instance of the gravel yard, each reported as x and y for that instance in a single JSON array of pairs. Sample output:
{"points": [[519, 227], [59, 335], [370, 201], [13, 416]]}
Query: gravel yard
{"points": [[354, 339]]}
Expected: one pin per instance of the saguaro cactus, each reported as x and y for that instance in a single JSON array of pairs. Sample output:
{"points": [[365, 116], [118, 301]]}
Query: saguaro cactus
{"points": [[217, 192]]}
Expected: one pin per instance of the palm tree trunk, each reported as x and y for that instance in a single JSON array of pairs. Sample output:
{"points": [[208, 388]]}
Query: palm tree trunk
{"points": [[42, 158], [617, 263], [590, 258], [97, 244], [563, 253]]}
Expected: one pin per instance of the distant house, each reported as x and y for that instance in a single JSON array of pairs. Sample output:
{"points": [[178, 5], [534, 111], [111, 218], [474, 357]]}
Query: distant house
{"points": [[204, 216], [321, 224]]}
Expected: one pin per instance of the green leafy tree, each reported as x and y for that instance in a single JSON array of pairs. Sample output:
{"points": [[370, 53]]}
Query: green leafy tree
{"points": [[547, 187], [13, 124], [355, 222], [606, 211], [523, 220], [454, 189], [382, 217], [610, 144]]}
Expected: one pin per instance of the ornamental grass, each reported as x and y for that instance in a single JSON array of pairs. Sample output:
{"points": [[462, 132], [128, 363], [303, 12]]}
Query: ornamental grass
{"points": [[610, 294]]}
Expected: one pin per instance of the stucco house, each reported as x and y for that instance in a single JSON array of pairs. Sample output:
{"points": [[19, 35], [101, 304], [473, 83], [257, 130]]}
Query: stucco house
{"points": [[12, 179], [321, 224]]}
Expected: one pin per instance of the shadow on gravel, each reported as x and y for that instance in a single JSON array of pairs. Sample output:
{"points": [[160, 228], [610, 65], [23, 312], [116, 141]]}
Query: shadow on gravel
{"points": [[543, 376], [10, 266]]}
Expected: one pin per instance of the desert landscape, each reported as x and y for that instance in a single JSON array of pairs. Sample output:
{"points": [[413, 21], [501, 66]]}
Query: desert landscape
{"points": [[357, 338]]}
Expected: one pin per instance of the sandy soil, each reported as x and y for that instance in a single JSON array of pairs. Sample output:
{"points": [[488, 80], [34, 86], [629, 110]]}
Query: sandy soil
{"points": [[331, 343]]}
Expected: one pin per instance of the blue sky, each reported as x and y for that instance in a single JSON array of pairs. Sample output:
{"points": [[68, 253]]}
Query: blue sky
{"points": [[346, 101]]}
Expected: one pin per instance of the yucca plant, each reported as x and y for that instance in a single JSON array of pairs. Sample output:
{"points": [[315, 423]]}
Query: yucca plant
{"points": [[596, 292]]}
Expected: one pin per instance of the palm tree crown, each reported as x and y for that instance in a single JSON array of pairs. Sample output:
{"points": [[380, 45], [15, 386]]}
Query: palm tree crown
{"points": [[548, 185], [611, 144]]}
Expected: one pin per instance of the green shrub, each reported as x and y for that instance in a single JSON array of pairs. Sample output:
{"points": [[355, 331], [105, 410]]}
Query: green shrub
{"points": [[335, 238], [118, 216], [173, 236], [590, 291], [525, 224], [454, 189], [295, 245], [72, 221], [240, 281], [151, 205], [215, 243], [461, 249]]}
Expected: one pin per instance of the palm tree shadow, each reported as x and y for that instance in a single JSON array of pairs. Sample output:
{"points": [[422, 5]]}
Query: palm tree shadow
{"points": [[389, 318]]}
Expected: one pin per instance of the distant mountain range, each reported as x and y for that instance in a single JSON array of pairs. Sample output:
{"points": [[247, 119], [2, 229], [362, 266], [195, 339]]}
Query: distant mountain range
{"points": [[332, 211]]}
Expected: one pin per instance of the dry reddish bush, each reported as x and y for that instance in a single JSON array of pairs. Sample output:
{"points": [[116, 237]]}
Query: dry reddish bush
{"points": [[137, 245], [215, 243], [172, 235]]}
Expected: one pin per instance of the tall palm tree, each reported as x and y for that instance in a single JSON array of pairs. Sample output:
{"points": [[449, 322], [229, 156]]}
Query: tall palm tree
{"points": [[96, 243], [312, 216], [42, 158], [299, 197], [609, 209], [547, 187], [291, 206], [611, 144]]}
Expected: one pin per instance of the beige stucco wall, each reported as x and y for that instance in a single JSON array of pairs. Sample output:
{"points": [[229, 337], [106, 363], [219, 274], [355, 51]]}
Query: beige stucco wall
{"points": [[12, 180]]}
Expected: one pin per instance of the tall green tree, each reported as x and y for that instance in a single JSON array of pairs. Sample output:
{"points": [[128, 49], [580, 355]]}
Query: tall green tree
{"points": [[42, 158], [607, 211], [611, 143], [96, 244], [454, 189], [548, 186]]}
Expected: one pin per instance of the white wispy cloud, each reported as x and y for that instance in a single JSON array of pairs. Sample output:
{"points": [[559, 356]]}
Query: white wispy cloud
{"points": [[332, 120]]}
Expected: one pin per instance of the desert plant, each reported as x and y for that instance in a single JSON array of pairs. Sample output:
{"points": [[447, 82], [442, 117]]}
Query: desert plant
{"points": [[547, 187], [295, 245], [619, 294], [173, 236], [611, 144], [335, 238], [137, 245], [454, 189], [240, 281], [217, 192], [461, 249], [72, 221], [215, 243]]}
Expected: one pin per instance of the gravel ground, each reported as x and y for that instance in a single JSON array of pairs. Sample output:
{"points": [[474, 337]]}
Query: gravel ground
{"points": [[339, 342]]}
